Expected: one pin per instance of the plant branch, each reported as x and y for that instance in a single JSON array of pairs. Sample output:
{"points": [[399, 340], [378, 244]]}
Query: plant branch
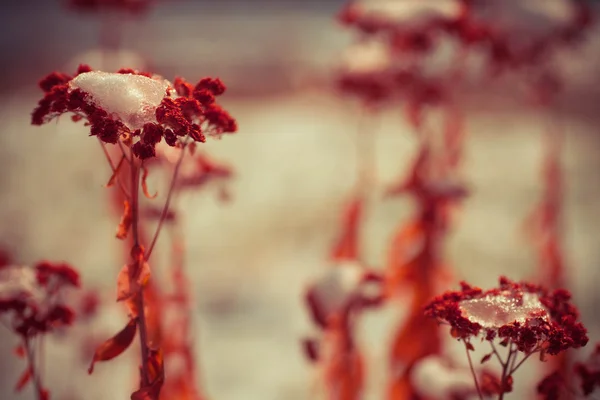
{"points": [[35, 377], [165, 209], [473, 371], [135, 189], [114, 169]]}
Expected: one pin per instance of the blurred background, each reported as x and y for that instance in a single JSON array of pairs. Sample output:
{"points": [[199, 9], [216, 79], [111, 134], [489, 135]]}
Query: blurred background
{"points": [[295, 160]]}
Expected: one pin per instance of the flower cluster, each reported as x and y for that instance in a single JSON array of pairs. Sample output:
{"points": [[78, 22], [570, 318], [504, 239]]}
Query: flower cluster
{"points": [[523, 314], [136, 108], [416, 49], [28, 296]]}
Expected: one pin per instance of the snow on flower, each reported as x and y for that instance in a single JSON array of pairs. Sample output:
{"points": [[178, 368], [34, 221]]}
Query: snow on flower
{"points": [[135, 108], [527, 315], [131, 98]]}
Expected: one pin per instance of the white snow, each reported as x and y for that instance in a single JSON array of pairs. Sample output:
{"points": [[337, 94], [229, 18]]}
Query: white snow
{"points": [[19, 282], [133, 99], [367, 57], [494, 311], [337, 285], [410, 12], [436, 380]]}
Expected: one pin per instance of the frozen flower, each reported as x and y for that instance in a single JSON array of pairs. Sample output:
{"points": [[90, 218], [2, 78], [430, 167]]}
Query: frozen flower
{"points": [[138, 109], [28, 296], [524, 314]]}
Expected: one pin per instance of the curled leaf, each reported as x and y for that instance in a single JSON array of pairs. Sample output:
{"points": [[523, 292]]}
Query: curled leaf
{"points": [[115, 173], [145, 185], [126, 221], [116, 345], [131, 279]]}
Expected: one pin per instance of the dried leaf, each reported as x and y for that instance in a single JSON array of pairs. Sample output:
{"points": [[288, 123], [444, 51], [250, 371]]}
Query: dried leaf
{"points": [[126, 221], [24, 379], [116, 345], [156, 372], [145, 185], [131, 279], [486, 358], [115, 173], [311, 349]]}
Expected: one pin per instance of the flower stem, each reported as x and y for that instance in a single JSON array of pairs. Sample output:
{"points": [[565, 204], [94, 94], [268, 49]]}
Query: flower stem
{"points": [[35, 377], [165, 209], [135, 188], [473, 371]]}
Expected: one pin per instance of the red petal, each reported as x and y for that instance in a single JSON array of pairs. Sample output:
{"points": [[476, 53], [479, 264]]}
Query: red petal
{"points": [[115, 345]]}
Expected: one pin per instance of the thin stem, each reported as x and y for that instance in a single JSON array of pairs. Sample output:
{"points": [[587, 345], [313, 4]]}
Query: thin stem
{"points": [[165, 209], [473, 370], [114, 169], [135, 188], [497, 354], [514, 368], [34, 373], [129, 159], [505, 371]]}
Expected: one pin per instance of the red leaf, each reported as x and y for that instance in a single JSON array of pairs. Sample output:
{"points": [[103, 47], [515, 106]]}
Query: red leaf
{"points": [[115, 345], [131, 279], [486, 358], [346, 247], [126, 221], [145, 185], [24, 379], [115, 173]]}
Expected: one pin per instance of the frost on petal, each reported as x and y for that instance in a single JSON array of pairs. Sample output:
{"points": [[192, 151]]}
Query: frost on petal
{"points": [[133, 99], [495, 310]]}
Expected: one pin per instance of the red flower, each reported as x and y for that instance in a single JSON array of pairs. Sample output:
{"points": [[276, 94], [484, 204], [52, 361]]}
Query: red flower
{"points": [[136, 108], [525, 314]]}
